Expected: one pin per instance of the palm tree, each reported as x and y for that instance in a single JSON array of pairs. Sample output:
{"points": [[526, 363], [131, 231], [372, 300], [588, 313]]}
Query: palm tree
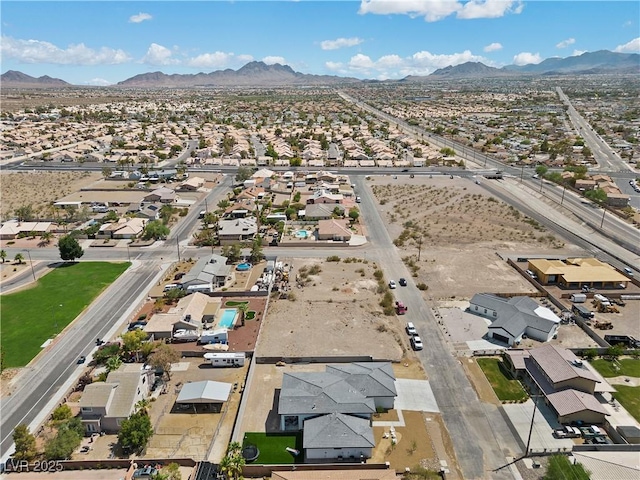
{"points": [[46, 238], [19, 258], [243, 308], [143, 406], [231, 465], [113, 363], [3, 255]]}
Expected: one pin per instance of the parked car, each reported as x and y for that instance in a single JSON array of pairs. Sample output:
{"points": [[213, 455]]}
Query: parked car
{"points": [[82, 359], [403, 282], [411, 329], [392, 284], [416, 343], [358, 199]]}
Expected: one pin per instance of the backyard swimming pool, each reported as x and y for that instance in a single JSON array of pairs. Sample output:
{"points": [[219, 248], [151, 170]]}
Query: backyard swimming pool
{"points": [[228, 318], [302, 234], [243, 267]]}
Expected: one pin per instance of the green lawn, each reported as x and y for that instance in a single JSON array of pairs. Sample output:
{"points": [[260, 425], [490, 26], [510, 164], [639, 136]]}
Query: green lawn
{"points": [[628, 366], [233, 303], [32, 316], [505, 387], [629, 398], [272, 447]]}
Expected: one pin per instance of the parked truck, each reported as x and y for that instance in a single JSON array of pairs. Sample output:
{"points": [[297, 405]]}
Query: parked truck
{"points": [[401, 309], [578, 297], [225, 359]]}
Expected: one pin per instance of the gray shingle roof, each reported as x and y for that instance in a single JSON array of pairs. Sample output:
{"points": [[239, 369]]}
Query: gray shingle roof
{"points": [[559, 364], [320, 392], [372, 379], [337, 431]]}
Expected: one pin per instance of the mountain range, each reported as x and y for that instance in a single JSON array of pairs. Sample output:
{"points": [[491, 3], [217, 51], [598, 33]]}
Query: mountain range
{"points": [[259, 74]]}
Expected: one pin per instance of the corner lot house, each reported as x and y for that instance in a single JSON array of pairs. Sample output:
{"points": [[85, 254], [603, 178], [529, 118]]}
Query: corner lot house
{"points": [[162, 195], [236, 230], [209, 272], [104, 405], [334, 408], [335, 230], [514, 317]]}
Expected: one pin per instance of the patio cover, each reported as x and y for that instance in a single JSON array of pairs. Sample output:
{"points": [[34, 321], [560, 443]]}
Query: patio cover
{"points": [[206, 391]]}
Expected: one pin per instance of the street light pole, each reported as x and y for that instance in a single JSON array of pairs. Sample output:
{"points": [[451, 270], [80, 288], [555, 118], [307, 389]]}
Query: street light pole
{"points": [[563, 190], [604, 210], [31, 263], [178, 247], [533, 416]]}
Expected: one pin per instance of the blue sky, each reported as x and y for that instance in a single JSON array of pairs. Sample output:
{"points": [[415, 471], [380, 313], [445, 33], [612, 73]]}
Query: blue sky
{"points": [[101, 43]]}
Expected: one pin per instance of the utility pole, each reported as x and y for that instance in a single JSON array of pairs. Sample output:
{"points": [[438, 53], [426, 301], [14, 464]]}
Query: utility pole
{"points": [[533, 416], [31, 263], [563, 190], [178, 247], [604, 211], [522, 173]]}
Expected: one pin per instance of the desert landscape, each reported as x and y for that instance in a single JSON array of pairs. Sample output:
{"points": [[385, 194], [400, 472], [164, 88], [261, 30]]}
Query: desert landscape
{"points": [[39, 189]]}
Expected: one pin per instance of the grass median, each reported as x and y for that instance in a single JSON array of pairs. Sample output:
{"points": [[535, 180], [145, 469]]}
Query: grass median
{"points": [[31, 317]]}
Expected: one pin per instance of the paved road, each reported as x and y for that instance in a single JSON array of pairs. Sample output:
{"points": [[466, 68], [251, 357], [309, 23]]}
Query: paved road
{"points": [[602, 152]]}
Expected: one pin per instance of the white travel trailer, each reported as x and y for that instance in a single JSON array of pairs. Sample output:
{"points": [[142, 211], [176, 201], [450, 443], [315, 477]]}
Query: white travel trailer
{"points": [[219, 335], [225, 359]]}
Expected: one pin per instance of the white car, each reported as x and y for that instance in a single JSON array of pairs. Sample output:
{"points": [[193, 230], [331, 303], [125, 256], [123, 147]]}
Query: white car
{"points": [[392, 284], [411, 329], [416, 342]]}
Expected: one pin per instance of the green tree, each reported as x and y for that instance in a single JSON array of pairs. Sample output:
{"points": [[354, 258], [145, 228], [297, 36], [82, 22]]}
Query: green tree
{"points": [[69, 248], [25, 443], [132, 341], [560, 468], [61, 446], [24, 213], [243, 173], [541, 170], [62, 413], [3, 255], [113, 363], [155, 230], [256, 250], [231, 465], [19, 258], [598, 195], [166, 212], [615, 351], [142, 406], [107, 171], [354, 214], [163, 357], [135, 431], [232, 252]]}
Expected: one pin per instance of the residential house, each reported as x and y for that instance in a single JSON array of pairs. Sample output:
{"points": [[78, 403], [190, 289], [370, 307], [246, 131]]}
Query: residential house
{"points": [[191, 313], [321, 211], [209, 271], [334, 408], [149, 212], [575, 272], [104, 405], [11, 229], [236, 230], [584, 184], [323, 196], [570, 388], [192, 184], [162, 195], [513, 318], [123, 228], [334, 229]]}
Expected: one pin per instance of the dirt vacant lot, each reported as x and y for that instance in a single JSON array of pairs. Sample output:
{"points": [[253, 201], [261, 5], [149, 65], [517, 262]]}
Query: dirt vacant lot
{"points": [[335, 313], [460, 232]]}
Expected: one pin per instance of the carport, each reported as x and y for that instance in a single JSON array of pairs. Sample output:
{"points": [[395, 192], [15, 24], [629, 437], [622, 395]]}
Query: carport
{"points": [[207, 396]]}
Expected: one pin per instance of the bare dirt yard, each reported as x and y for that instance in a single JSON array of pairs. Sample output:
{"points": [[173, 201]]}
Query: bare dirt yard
{"points": [[334, 310], [39, 189], [460, 232]]}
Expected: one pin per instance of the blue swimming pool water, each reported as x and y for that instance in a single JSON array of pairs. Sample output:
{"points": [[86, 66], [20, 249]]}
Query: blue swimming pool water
{"points": [[228, 317], [302, 234], [243, 267]]}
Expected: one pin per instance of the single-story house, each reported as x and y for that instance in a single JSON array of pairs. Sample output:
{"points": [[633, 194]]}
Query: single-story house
{"points": [[211, 271], [11, 229], [104, 405], [334, 408], [237, 230], [321, 211], [192, 183], [512, 318], [334, 229], [323, 196], [575, 272], [162, 195]]}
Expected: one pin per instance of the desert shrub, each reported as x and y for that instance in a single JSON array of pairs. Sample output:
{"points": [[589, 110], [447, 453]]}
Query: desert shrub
{"points": [[378, 274], [333, 258], [422, 286], [291, 297], [315, 270]]}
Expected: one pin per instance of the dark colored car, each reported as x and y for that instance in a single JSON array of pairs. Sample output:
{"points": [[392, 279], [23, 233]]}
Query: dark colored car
{"points": [[82, 359], [403, 282]]}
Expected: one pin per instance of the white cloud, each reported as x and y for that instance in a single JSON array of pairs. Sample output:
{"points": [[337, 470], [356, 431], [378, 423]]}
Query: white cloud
{"points": [[139, 18], [245, 58], [488, 9], [434, 10], [566, 43], [632, 46], [492, 47], [577, 53], [395, 66], [340, 43], [526, 58], [270, 60], [36, 51], [210, 60], [159, 55], [98, 82]]}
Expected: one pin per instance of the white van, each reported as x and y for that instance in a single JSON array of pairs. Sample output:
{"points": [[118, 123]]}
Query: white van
{"points": [[170, 286]]}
